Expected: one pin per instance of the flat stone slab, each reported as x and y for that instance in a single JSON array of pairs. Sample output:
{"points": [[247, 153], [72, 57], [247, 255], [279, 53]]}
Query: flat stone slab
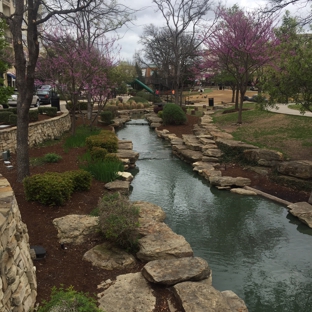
{"points": [[297, 168], [201, 297], [303, 211], [125, 145], [189, 155], [130, 292], [242, 191], [150, 211], [163, 245], [109, 257], [128, 154], [173, 271], [125, 176], [75, 229], [118, 186]]}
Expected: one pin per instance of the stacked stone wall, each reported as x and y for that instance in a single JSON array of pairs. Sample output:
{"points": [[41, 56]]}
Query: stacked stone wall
{"points": [[38, 132], [18, 286]]}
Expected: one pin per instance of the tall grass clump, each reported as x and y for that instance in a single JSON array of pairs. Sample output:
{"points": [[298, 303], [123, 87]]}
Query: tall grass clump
{"points": [[104, 170], [79, 138]]}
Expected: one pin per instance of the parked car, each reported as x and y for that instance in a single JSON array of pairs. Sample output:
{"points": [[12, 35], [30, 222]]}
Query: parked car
{"points": [[12, 101], [45, 87], [253, 88], [46, 95]]}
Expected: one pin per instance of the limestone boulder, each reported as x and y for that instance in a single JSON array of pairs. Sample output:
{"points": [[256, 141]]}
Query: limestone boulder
{"points": [[173, 271], [130, 292], [191, 142], [235, 146], [125, 176], [237, 304], [263, 157], [200, 297], [297, 168], [188, 155], [217, 134], [213, 152], [75, 229], [242, 191], [163, 245], [229, 181], [128, 154], [125, 145], [109, 257], [303, 211], [150, 211], [118, 186]]}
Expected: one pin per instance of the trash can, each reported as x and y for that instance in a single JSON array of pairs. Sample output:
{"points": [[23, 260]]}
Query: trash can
{"points": [[210, 102], [55, 102]]}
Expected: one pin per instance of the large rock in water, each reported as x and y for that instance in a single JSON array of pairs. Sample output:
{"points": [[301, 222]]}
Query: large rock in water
{"points": [[303, 211], [75, 229], [109, 257], [202, 297], [297, 168], [229, 181], [163, 245], [173, 271], [130, 292]]}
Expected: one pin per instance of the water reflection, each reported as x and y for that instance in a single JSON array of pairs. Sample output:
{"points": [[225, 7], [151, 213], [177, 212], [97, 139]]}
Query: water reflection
{"points": [[253, 245]]}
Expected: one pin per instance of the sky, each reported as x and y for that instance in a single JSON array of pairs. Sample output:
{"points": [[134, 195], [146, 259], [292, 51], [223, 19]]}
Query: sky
{"points": [[147, 14]]}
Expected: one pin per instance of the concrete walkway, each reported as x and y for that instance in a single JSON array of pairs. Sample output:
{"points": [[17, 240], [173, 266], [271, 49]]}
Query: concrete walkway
{"points": [[283, 109]]}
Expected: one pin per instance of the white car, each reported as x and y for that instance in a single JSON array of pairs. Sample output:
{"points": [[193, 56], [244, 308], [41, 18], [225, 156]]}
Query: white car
{"points": [[12, 101]]}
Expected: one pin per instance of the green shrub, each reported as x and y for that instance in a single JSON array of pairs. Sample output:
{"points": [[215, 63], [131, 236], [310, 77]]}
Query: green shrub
{"points": [[80, 106], [13, 119], [33, 115], [81, 179], [69, 300], [51, 158], [111, 157], [5, 116], [12, 110], [160, 114], [105, 139], [50, 188], [173, 115], [50, 111], [98, 153], [119, 221], [106, 117], [113, 109]]}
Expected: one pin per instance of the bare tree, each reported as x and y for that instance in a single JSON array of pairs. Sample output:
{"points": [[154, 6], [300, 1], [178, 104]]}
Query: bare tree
{"points": [[24, 25], [183, 20]]}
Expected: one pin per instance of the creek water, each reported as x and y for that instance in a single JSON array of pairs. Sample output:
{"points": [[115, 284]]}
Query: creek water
{"points": [[253, 246]]}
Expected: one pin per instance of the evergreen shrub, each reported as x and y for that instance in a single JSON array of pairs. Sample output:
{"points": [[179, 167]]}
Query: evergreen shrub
{"points": [[105, 139], [98, 153], [106, 117], [173, 115]]}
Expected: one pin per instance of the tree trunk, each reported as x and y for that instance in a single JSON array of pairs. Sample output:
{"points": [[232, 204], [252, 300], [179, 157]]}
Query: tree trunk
{"points": [[237, 98]]}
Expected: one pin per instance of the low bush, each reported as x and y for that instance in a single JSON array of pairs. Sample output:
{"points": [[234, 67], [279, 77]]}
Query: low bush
{"points": [[5, 116], [69, 300], [173, 115], [33, 115], [54, 188], [51, 158], [81, 179], [50, 188], [149, 96], [119, 221], [112, 108], [106, 117], [82, 105], [13, 119], [50, 111], [98, 153], [105, 139]]}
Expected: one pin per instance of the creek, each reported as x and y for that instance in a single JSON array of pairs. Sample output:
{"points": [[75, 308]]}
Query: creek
{"points": [[253, 246]]}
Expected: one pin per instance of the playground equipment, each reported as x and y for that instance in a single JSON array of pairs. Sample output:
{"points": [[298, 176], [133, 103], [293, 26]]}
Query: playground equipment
{"points": [[144, 86]]}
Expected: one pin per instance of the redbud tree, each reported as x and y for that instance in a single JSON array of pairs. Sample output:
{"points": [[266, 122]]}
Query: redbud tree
{"points": [[75, 69], [241, 43]]}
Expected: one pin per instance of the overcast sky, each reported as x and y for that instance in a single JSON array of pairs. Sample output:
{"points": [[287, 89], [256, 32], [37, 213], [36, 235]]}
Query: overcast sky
{"points": [[147, 14]]}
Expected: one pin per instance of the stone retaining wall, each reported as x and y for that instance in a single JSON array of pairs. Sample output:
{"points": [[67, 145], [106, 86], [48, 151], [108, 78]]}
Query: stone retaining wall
{"points": [[38, 132], [18, 286]]}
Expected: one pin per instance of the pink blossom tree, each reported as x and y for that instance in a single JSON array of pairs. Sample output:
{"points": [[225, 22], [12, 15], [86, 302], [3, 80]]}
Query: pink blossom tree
{"points": [[241, 44], [76, 69]]}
